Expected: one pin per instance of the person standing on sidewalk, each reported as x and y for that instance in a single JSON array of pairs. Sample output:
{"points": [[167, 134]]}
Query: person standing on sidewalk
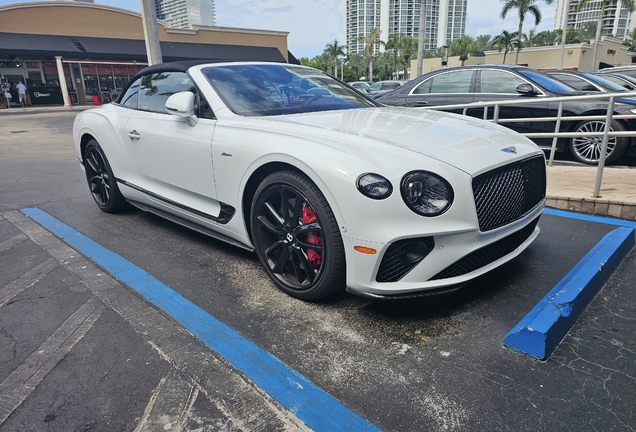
{"points": [[22, 92]]}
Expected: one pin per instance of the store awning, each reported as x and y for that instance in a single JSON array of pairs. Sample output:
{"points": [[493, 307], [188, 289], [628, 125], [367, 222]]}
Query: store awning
{"points": [[30, 45]]}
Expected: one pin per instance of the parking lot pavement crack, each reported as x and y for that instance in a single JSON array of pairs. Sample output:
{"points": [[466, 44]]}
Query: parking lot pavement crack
{"points": [[596, 365], [12, 342], [625, 426], [21, 383], [15, 240], [26, 280]]}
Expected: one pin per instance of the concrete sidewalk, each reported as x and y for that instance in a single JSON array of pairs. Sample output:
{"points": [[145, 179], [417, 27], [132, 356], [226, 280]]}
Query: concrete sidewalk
{"points": [[570, 187]]}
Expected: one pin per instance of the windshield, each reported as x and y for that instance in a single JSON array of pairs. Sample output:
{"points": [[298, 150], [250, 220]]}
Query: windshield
{"points": [[609, 85], [275, 89], [547, 82]]}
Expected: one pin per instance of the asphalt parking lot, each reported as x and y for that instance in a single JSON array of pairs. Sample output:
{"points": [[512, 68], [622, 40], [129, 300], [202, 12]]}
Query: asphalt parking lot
{"points": [[430, 364]]}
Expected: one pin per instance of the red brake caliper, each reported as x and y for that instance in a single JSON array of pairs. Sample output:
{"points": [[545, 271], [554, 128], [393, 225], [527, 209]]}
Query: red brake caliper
{"points": [[308, 217]]}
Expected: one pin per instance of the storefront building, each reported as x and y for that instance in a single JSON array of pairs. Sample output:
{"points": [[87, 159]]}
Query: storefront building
{"points": [[96, 49]]}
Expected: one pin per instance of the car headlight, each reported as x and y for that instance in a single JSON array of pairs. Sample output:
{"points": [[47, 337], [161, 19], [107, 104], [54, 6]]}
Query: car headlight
{"points": [[425, 193], [374, 186]]}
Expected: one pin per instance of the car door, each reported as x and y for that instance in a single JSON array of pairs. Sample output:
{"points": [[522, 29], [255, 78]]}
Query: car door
{"points": [[173, 159], [445, 88], [497, 84]]}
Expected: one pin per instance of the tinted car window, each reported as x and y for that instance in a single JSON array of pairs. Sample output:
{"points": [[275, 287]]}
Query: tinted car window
{"points": [[275, 89], [155, 89], [451, 82], [605, 82], [389, 86], [572, 81], [547, 82], [495, 81], [129, 99]]}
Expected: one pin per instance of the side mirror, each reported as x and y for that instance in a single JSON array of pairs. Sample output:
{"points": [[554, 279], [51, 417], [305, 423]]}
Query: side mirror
{"points": [[526, 89], [182, 104], [589, 87]]}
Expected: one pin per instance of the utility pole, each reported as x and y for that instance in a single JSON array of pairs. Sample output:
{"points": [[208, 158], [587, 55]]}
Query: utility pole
{"points": [[420, 38], [566, 13], [149, 20]]}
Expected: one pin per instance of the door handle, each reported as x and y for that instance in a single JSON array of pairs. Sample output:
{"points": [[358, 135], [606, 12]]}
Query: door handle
{"points": [[421, 103], [134, 135]]}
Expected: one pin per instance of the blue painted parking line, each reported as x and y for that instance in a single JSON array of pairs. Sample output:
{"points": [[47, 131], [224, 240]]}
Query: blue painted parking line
{"points": [[590, 218], [316, 408], [541, 330]]}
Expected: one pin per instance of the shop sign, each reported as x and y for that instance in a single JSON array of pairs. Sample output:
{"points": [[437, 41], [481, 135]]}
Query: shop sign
{"points": [[49, 95]]}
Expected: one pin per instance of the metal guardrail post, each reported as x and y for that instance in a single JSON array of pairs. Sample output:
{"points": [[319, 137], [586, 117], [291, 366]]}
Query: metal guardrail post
{"points": [[495, 117], [485, 113], [556, 131], [601, 162]]}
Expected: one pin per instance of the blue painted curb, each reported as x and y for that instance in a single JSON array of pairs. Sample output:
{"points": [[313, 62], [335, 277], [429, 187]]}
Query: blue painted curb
{"points": [[316, 408], [541, 330]]}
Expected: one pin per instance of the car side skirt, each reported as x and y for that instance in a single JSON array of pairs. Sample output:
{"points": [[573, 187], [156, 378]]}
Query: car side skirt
{"points": [[186, 223], [226, 214]]}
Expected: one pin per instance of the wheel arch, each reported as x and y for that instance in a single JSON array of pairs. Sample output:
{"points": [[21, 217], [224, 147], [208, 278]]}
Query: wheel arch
{"points": [[255, 179], [84, 139]]}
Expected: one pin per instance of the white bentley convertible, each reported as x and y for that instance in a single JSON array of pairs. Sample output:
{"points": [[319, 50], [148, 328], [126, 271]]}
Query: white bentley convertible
{"points": [[330, 189]]}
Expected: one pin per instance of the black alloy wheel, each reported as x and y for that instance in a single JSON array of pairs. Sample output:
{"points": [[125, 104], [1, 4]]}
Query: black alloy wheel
{"points": [[588, 149], [101, 180], [296, 236]]}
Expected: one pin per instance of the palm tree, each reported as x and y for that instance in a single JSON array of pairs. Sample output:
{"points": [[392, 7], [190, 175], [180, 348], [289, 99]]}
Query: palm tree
{"points": [[504, 41], [405, 45], [523, 7], [369, 45], [548, 37], [627, 4], [483, 42], [530, 39], [334, 50], [357, 61], [588, 31], [462, 46], [630, 41], [573, 35]]}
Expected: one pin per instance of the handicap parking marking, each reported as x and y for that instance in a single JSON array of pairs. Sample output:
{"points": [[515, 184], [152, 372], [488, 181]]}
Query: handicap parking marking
{"points": [[316, 408], [542, 329], [589, 218]]}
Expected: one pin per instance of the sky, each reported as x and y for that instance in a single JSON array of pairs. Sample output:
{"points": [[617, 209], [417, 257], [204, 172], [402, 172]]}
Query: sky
{"points": [[314, 23]]}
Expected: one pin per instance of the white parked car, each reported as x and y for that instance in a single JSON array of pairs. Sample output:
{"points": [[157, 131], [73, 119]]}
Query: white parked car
{"points": [[331, 192]]}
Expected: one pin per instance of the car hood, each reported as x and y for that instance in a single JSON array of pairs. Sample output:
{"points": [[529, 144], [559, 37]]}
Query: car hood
{"points": [[463, 142]]}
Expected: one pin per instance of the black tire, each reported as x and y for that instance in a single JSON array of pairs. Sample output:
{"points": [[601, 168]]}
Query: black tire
{"points": [[101, 181], [304, 258], [588, 150]]}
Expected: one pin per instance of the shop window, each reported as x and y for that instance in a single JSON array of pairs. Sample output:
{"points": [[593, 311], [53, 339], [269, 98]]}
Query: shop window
{"points": [[91, 84]]}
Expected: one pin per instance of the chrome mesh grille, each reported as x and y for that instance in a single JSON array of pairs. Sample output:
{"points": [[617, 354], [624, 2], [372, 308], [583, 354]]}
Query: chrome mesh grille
{"points": [[506, 194]]}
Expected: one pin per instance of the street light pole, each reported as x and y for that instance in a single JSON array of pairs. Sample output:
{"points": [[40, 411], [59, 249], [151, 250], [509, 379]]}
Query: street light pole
{"points": [[149, 21], [566, 13]]}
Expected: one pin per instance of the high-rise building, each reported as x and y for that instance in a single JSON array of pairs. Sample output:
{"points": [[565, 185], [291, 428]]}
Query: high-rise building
{"points": [[445, 20], [184, 13], [617, 20]]}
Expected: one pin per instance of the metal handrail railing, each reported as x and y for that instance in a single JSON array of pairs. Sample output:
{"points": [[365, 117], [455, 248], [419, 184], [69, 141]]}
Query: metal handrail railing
{"points": [[608, 117]]}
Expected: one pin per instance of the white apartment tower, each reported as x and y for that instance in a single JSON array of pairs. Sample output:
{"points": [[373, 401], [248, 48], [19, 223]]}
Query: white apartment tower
{"points": [[445, 20], [617, 21], [183, 13]]}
